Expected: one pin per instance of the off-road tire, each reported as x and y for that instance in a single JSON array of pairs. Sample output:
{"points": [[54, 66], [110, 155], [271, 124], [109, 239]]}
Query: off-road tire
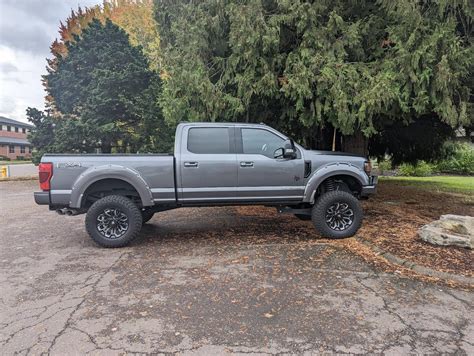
{"points": [[147, 215], [328, 200], [303, 217], [124, 205]]}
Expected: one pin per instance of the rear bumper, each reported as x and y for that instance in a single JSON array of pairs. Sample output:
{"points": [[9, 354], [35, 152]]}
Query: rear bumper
{"points": [[371, 188], [42, 198]]}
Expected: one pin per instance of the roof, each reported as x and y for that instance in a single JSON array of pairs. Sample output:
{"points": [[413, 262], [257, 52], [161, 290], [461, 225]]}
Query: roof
{"points": [[253, 124], [6, 120], [14, 140]]}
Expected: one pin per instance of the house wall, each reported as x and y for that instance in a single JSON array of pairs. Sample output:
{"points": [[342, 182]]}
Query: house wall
{"points": [[4, 148]]}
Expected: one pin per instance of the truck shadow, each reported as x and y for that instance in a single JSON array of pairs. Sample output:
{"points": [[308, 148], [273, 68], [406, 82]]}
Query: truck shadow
{"points": [[226, 225]]}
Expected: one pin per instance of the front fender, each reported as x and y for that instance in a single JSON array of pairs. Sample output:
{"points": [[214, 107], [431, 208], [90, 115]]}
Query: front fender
{"points": [[329, 170], [109, 171]]}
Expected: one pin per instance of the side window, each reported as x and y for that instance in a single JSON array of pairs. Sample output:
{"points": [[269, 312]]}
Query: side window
{"points": [[262, 142], [210, 140]]}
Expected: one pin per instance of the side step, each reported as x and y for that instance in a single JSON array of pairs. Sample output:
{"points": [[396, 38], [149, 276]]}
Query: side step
{"points": [[288, 210]]}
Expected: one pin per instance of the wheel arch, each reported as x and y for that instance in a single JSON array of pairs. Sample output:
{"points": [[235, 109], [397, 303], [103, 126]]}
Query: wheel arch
{"points": [[109, 173], [346, 172]]}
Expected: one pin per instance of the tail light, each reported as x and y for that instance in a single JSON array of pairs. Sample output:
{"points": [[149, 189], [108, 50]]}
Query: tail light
{"points": [[367, 167], [45, 174]]}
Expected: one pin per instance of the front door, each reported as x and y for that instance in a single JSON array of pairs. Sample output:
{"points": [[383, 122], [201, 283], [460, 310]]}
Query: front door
{"points": [[262, 177], [208, 165]]}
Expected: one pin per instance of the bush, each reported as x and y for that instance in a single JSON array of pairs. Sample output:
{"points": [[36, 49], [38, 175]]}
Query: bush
{"points": [[4, 158], [420, 169], [384, 166], [20, 158], [460, 161]]}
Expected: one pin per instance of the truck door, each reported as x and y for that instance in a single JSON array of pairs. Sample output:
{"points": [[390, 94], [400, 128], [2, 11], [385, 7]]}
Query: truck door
{"points": [[261, 177], [207, 164]]}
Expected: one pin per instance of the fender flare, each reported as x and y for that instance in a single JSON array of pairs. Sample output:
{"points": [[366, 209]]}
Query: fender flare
{"points": [[110, 171], [329, 170]]}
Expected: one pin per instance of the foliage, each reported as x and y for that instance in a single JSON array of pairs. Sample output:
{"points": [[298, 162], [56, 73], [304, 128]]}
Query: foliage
{"points": [[384, 166], [305, 65], [458, 161], [102, 88], [421, 140], [105, 96], [419, 169]]}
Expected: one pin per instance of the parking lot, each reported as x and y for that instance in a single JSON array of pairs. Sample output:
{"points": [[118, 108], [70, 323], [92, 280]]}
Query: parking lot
{"points": [[209, 281]]}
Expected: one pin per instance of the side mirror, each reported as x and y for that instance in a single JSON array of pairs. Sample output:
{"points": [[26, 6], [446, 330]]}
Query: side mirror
{"points": [[288, 151]]}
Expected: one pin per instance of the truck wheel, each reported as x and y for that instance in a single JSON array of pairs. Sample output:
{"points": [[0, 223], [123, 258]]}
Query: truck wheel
{"points": [[337, 214], [147, 215], [303, 217], [113, 221]]}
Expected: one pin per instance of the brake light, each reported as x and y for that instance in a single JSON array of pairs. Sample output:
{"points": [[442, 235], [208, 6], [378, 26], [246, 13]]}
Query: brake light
{"points": [[45, 174]]}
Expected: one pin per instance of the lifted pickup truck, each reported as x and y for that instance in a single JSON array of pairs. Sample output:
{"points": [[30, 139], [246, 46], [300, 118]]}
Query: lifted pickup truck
{"points": [[213, 164]]}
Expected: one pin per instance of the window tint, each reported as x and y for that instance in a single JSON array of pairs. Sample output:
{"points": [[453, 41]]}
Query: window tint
{"points": [[263, 142], [209, 140]]}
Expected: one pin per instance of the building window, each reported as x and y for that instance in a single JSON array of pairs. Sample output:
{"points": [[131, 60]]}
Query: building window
{"points": [[9, 128], [11, 149], [16, 128], [23, 130], [29, 149], [22, 149]]}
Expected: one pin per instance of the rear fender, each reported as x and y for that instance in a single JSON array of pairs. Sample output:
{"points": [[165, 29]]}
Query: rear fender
{"points": [[329, 170], [110, 171]]}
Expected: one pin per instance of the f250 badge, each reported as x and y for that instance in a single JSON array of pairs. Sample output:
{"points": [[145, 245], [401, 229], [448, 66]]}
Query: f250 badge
{"points": [[71, 164]]}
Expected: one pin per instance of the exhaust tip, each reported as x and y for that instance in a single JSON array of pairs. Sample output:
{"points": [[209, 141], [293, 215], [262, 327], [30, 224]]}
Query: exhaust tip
{"points": [[60, 212]]}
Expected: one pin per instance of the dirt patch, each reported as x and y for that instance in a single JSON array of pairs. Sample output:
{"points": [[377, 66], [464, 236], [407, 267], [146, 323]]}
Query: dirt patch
{"points": [[394, 215]]}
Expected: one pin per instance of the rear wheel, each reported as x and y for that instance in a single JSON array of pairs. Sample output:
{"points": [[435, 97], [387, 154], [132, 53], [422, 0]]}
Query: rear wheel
{"points": [[113, 221], [147, 215], [337, 214]]}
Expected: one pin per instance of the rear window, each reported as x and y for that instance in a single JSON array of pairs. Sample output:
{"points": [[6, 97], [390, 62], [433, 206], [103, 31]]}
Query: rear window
{"points": [[209, 140]]}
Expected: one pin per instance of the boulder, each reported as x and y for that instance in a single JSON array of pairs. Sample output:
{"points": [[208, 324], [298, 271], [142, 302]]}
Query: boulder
{"points": [[449, 230]]}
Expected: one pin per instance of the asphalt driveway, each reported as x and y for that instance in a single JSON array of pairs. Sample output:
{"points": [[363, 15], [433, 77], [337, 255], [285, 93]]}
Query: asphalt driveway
{"points": [[208, 281]]}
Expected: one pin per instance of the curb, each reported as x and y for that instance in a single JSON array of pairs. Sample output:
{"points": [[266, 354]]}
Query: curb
{"points": [[14, 179], [415, 267]]}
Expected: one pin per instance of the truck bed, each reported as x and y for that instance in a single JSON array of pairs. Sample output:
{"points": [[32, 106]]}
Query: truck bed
{"points": [[74, 170]]}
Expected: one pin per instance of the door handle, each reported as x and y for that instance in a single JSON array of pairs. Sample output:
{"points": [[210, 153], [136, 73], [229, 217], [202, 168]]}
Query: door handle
{"points": [[246, 164], [190, 164]]}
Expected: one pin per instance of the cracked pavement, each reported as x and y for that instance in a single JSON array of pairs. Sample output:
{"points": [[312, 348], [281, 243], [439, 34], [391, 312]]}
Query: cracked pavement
{"points": [[209, 281]]}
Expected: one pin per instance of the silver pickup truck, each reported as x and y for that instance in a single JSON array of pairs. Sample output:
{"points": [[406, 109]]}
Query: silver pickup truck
{"points": [[213, 164]]}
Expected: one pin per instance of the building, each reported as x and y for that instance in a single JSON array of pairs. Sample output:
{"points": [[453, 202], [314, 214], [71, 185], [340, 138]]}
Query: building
{"points": [[13, 139]]}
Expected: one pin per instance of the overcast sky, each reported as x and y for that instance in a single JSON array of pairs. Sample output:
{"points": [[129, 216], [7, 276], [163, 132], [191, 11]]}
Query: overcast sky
{"points": [[27, 28]]}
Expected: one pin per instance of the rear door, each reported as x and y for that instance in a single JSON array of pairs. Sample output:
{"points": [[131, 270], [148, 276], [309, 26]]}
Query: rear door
{"points": [[261, 177], [208, 164]]}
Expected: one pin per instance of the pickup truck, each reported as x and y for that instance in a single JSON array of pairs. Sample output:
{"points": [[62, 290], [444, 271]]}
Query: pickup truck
{"points": [[213, 164]]}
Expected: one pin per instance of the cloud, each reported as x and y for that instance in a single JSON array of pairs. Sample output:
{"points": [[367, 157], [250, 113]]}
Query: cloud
{"points": [[27, 29]]}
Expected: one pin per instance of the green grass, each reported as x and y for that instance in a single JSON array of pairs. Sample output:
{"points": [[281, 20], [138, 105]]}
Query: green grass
{"points": [[4, 163], [451, 184]]}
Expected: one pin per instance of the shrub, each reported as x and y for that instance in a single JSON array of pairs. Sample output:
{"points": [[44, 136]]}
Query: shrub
{"points": [[4, 158], [461, 161], [420, 169], [20, 158], [384, 166]]}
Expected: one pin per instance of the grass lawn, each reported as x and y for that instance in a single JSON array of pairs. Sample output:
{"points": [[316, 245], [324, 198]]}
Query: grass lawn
{"points": [[453, 184], [5, 163]]}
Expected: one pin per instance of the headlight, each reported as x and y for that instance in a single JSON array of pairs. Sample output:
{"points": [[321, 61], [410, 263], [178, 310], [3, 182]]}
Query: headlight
{"points": [[367, 167]]}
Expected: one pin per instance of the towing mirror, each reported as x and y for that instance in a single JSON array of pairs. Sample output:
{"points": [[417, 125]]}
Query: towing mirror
{"points": [[288, 151]]}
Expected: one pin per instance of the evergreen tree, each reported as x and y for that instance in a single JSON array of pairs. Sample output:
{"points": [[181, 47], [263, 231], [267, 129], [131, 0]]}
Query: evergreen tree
{"points": [[304, 66], [102, 83]]}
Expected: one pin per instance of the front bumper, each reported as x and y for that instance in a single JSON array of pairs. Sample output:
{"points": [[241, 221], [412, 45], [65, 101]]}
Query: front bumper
{"points": [[42, 198], [371, 188]]}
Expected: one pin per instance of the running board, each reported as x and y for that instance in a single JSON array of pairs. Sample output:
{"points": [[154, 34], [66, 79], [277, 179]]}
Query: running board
{"points": [[288, 210]]}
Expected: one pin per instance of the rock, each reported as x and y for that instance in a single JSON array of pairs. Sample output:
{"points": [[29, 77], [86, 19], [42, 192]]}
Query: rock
{"points": [[449, 230]]}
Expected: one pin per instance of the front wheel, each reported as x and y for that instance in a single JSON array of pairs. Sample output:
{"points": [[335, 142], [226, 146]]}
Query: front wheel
{"points": [[337, 214], [113, 221]]}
